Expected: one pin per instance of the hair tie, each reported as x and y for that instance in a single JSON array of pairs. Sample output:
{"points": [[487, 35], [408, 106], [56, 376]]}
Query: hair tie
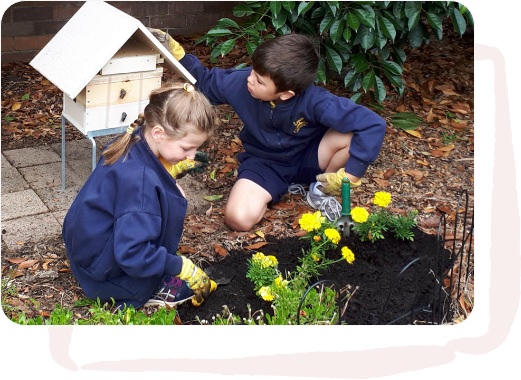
{"points": [[130, 129], [188, 87]]}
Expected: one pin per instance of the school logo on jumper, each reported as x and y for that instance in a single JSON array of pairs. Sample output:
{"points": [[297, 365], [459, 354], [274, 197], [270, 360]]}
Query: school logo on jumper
{"points": [[299, 124]]}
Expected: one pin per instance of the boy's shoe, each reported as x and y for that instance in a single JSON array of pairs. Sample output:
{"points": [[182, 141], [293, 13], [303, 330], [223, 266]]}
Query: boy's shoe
{"points": [[328, 205], [296, 188], [173, 291]]}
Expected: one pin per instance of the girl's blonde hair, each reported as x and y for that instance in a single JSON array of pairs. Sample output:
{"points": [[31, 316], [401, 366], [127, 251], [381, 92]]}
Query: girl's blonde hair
{"points": [[177, 108]]}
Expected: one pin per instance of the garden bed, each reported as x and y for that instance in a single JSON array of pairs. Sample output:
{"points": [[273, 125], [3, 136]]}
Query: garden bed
{"points": [[373, 275]]}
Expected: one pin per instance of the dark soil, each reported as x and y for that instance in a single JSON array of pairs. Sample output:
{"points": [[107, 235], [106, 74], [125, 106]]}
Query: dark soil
{"points": [[380, 296]]}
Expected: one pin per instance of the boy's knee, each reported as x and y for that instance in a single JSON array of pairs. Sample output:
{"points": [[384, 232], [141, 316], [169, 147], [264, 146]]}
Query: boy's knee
{"points": [[237, 221]]}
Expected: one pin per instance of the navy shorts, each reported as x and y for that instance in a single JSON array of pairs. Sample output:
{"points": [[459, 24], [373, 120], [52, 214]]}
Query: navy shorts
{"points": [[275, 177]]}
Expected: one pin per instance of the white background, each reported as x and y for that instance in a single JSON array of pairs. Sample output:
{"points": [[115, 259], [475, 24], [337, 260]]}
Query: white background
{"points": [[486, 345]]}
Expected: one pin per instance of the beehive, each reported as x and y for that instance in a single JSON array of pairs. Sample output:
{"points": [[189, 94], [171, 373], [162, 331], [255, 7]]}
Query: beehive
{"points": [[106, 63]]}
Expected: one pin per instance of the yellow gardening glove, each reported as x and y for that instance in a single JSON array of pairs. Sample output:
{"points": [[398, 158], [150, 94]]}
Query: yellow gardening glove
{"points": [[172, 45], [332, 182], [178, 170], [197, 280]]}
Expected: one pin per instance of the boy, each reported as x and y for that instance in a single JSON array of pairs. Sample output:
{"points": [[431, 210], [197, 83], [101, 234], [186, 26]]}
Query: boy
{"points": [[294, 131]]}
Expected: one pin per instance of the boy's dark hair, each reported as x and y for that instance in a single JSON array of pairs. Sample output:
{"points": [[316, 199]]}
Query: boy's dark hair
{"points": [[291, 61]]}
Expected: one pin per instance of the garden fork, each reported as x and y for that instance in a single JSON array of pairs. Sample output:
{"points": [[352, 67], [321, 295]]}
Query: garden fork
{"points": [[345, 222]]}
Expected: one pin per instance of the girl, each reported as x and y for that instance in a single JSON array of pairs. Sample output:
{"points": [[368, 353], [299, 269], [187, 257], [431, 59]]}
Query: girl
{"points": [[124, 226]]}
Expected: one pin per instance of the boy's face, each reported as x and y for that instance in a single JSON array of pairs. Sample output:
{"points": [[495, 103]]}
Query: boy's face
{"points": [[263, 88]]}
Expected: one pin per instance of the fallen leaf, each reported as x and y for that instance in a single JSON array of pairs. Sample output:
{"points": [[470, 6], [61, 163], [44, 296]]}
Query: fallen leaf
{"points": [[184, 249], [458, 124], [27, 264], [416, 174], [260, 234], [382, 182], [16, 260], [212, 198], [414, 133], [284, 206], [16, 106], [256, 245], [220, 250], [444, 209], [389, 173]]}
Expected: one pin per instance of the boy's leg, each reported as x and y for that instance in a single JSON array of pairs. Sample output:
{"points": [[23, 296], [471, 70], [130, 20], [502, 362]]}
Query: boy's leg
{"points": [[333, 150], [246, 205]]}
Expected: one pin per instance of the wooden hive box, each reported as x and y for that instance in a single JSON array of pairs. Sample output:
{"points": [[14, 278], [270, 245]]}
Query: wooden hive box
{"points": [[106, 63]]}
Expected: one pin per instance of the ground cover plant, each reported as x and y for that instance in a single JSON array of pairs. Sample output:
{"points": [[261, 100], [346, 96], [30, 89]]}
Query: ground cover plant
{"points": [[423, 168]]}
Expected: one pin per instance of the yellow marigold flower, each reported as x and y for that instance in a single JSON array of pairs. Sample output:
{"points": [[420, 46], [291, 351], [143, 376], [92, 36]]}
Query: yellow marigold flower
{"points": [[317, 238], [280, 283], [311, 222], [266, 293], [382, 198], [333, 235], [270, 261], [348, 255], [359, 214], [258, 258]]}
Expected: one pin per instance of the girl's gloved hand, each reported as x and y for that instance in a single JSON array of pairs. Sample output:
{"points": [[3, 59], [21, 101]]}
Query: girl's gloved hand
{"points": [[197, 280]]}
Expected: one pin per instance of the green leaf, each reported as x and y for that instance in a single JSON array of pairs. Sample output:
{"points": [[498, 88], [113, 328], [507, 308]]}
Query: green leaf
{"points": [[227, 46], [304, 6], [387, 28], [321, 72], [392, 67], [227, 23], [250, 47], [275, 7], [359, 63], [288, 5], [434, 21], [406, 120], [333, 6], [368, 80], [325, 24], [280, 20], [396, 81], [460, 25], [333, 59], [366, 16], [241, 10], [412, 12], [415, 36], [367, 37], [350, 78], [219, 32], [356, 97], [380, 90], [346, 35], [212, 198], [352, 21], [336, 30]]}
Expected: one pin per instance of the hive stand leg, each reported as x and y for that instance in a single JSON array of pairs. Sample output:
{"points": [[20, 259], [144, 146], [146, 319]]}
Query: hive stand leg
{"points": [[63, 153], [94, 155]]}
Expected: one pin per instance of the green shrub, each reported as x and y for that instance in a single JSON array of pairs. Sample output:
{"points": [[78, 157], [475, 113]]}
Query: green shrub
{"points": [[361, 43]]}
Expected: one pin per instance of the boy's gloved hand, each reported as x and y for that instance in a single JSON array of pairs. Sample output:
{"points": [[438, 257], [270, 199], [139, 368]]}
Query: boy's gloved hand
{"points": [[197, 280], [332, 182], [172, 45]]}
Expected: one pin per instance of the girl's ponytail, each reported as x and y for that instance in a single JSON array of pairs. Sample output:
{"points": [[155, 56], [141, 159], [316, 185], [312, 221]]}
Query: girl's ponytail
{"points": [[121, 145]]}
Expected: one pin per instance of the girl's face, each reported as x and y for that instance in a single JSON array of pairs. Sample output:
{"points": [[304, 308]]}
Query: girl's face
{"points": [[174, 149]]}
